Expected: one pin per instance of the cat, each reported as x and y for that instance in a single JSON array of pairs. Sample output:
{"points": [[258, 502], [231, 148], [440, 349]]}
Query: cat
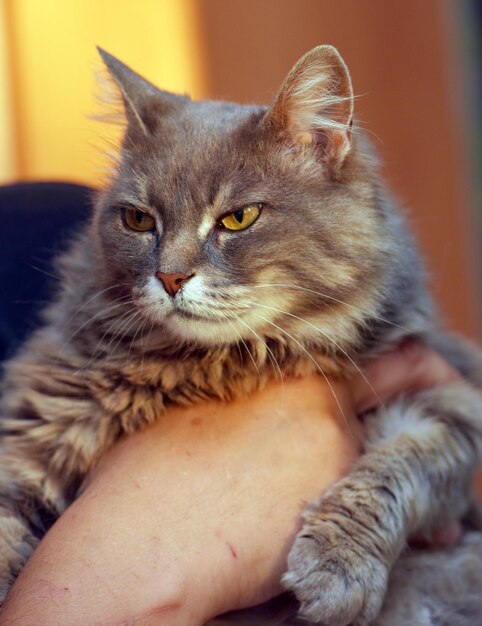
{"points": [[232, 244]]}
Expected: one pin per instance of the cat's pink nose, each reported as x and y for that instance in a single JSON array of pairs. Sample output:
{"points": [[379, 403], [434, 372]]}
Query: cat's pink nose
{"points": [[172, 282]]}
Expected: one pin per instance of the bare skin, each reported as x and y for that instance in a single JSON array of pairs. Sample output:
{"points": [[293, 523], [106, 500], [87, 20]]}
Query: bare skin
{"points": [[195, 516]]}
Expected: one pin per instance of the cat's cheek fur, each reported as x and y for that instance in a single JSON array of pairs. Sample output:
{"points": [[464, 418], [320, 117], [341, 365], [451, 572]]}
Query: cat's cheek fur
{"points": [[152, 300]]}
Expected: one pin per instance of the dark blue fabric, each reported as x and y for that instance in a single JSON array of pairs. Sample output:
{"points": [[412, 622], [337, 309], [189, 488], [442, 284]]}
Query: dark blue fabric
{"points": [[36, 222]]}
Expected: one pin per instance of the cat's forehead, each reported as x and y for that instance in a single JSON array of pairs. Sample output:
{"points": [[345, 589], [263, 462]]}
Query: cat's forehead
{"points": [[206, 150], [207, 135]]}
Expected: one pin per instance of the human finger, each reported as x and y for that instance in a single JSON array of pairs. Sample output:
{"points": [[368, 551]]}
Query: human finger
{"points": [[411, 368]]}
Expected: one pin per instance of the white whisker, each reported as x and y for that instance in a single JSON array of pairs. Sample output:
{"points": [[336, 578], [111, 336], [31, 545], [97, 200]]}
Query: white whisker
{"points": [[316, 365], [264, 306], [268, 349], [243, 342], [133, 340], [121, 333], [92, 359], [324, 295], [88, 301], [145, 346], [122, 301]]}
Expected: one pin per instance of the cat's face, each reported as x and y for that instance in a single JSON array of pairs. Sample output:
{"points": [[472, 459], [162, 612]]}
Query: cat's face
{"points": [[228, 222]]}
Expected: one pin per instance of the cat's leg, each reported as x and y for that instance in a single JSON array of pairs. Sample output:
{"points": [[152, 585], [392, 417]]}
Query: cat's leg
{"points": [[436, 587], [415, 477], [17, 543], [30, 501]]}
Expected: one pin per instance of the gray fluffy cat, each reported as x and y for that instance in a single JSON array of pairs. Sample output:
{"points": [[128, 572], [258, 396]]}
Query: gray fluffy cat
{"points": [[232, 243]]}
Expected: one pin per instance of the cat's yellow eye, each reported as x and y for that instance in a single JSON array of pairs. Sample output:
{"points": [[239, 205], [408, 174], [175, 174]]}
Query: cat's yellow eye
{"points": [[242, 218], [136, 219]]}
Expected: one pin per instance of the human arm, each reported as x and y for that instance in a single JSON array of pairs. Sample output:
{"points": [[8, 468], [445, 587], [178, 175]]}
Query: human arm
{"points": [[196, 515]]}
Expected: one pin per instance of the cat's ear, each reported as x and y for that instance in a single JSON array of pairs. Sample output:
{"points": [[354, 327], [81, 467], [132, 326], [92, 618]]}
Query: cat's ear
{"points": [[315, 105], [144, 103]]}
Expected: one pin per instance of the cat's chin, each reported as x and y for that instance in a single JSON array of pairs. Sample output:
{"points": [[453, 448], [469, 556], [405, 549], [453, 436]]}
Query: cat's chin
{"points": [[202, 331]]}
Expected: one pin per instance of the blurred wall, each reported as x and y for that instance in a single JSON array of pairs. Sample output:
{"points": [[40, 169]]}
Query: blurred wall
{"points": [[7, 144], [405, 58], [53, 61]]}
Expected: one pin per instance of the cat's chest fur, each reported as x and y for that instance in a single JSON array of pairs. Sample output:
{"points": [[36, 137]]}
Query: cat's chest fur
{"points": [[135, 387], [139, 392], [63, 398]]}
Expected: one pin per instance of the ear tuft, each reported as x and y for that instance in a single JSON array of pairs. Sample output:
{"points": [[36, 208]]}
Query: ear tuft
{"points": [[315, 105], [144, 103]]}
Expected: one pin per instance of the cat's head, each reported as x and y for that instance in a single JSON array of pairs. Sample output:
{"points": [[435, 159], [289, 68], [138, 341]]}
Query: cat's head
{"points": [[227, 222]]}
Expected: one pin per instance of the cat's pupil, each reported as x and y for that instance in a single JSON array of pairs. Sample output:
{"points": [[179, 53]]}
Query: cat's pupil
{"points": [[139, 217], [238, 216]]}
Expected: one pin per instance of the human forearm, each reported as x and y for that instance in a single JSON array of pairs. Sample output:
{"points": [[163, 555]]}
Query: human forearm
{"points": [[159, 531]]}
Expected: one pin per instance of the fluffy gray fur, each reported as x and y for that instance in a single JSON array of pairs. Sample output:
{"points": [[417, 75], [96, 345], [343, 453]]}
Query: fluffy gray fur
{"points": [[325, 278]]}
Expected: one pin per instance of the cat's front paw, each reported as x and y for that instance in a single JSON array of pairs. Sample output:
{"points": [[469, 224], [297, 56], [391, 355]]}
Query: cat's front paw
{"points": [[16, 546], [336, 581]]}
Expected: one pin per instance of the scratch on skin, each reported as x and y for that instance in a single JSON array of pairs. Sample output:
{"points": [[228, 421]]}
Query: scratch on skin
{"points": [[234, 554], [160, 611]]}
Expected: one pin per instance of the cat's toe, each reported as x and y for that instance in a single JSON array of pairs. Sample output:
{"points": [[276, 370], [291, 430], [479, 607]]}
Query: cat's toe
{"points": [[334, 580], [325, 596]]}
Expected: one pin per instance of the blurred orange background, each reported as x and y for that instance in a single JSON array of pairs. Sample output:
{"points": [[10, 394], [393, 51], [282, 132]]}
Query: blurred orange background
{"points": [[409, 60]]}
